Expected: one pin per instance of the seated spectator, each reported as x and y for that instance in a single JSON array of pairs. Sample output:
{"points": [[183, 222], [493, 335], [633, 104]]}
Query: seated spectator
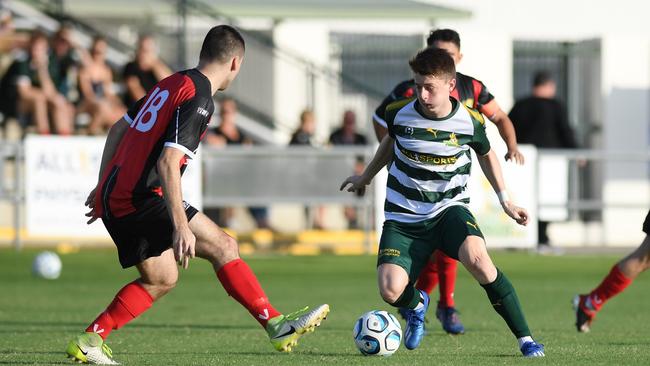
{"points": [[66, 57], [144, 72], [303, 136], [96, 90], [28, 90], [347, 135], [227, 133]]}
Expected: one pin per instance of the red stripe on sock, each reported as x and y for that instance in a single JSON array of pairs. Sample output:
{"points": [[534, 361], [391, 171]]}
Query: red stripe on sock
{"points": [[240, 282], [613, 284], [131, 301], [428, 279], [447, 267]]}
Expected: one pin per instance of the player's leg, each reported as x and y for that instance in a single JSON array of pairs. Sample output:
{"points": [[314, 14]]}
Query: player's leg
{"points": [[428, 279], [158, 276], [403, 251], [461, 237], [619, 278], [446, 311], [240, 282]]}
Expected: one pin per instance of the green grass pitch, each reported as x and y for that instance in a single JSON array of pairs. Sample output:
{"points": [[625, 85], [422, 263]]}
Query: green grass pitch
{"points": [[198, 324]]}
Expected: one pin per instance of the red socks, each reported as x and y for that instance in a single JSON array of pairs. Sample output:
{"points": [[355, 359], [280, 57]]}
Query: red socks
{"points": [[441, 269], [240, 283], [131, 301], [428, 279], [447, 267], [612, 285]]}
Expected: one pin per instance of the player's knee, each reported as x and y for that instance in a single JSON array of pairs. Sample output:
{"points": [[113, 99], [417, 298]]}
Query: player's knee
{"points": [[167, 282], [222, 250], [389, 293]]}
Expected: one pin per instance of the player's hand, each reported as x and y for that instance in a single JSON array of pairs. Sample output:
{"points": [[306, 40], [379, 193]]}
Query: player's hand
{"points": [[357, 184], [519, 214], [183, 242], [90, 202], [515, 155]]}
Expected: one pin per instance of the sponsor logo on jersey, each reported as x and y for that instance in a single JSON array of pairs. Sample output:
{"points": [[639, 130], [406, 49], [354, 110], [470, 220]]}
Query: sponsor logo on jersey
{"points": [[453, 141], [202, 112]]}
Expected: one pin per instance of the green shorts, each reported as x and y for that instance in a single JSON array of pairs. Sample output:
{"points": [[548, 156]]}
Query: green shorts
{"points": [[410, 245]]}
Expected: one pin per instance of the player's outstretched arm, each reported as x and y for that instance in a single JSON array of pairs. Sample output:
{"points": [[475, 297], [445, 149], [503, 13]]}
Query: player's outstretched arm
{"points": [[492, 170], [113, 139], [507, 132], [183, 240], [382, 157]]}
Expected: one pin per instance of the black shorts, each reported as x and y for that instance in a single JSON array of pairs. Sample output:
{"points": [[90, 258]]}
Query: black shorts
{"points": [[646, 224], [144, 233]]}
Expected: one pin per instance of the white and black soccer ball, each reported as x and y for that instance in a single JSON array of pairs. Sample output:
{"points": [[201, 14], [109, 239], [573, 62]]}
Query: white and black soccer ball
{"points": [[47, 265], [377, 333]]}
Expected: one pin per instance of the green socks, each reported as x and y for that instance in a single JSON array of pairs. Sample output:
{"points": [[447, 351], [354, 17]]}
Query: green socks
{"points": [[504, 300], [410, 298]]}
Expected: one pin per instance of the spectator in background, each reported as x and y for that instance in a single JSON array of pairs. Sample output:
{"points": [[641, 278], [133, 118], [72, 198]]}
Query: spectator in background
{"points": [[347, 135], [28, 90], [227, 133], [97, 97], [541, 120], [144, 72], [65, 58], [303, 137], [305, 131]]}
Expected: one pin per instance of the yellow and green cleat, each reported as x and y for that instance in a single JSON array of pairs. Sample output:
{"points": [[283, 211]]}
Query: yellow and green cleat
{"points": [[285, 330], [90, 348]]}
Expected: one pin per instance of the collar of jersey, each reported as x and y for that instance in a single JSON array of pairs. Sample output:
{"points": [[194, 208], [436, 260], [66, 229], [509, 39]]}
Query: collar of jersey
{"points": [[454, 108]]}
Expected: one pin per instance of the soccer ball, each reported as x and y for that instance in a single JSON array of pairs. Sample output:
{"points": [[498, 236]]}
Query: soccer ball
{"points": [[377, 333], [47, 265]]}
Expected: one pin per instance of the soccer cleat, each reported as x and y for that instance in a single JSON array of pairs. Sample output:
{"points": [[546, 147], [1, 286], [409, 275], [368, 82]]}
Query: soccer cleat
{"points": [[284, 330], [90, 348], [532, 349], [448, 317], [415, 324], [584, 315]]}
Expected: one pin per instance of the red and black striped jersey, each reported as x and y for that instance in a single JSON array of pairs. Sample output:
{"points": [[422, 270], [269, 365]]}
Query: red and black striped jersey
{"points": [[469, 91], [175, 113]]}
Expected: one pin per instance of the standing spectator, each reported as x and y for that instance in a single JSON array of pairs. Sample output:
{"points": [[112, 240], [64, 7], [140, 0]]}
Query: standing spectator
{"points": [[347, 135], [144, 72], [305, 132], [28, 90], [541, 120], [303, 137], [227, 133], [96, 90]]}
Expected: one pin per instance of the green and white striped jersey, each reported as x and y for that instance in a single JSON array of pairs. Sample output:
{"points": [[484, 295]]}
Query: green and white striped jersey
{"points": [[432, 162]]}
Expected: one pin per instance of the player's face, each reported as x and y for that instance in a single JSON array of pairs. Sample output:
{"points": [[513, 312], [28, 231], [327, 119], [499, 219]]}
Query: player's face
{"points": [[433, 93], [451, 49]]}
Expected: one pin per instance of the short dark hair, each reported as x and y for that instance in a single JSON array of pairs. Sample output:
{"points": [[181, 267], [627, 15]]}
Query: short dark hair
{"points": [[221, 43], [542, 77], [443, 35], [433, 61]]}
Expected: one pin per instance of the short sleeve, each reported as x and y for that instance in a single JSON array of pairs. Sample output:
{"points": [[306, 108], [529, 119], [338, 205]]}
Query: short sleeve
{"points": [[189, 122], [479, 143], [131, 69], [485, 102], [403, 90]]}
